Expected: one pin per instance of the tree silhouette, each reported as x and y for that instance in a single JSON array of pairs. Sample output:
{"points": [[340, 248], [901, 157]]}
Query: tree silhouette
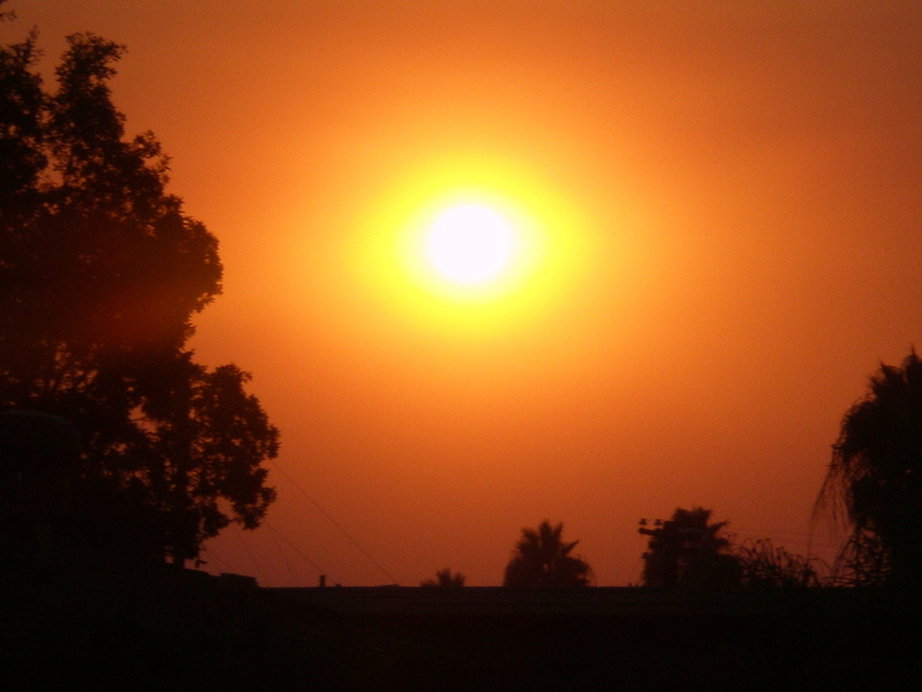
{"points": [[38, 464], [762, 565], [100, 273], [445, 579], [542, 558], [875, 476], [687, 550], [863, 561]]}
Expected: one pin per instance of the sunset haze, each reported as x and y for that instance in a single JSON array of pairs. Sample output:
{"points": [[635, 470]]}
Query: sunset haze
{"points": [[719, 221]]}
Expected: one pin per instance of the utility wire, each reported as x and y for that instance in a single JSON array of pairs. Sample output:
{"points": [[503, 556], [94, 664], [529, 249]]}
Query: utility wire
{"points": [[212, 555], [300, 552], [803, 538], [249, 553], [336, 524], [275, 539]]}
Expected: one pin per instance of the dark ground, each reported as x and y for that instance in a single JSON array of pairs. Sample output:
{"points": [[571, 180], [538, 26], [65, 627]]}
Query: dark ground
{"points": [[116, 628]]}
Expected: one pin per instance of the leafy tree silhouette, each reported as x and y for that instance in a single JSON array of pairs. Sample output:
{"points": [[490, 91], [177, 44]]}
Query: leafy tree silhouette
{"points": [[762, 565], [100, 273], [541, 558], [688, 550], [445, 579], [875, 478], [863, 561]]}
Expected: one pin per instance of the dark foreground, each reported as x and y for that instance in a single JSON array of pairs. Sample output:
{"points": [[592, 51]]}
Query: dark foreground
{"points": [[167, 629]]}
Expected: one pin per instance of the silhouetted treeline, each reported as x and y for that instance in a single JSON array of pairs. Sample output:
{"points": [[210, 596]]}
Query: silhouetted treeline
{"points": [[689, 550], [101, 272]]}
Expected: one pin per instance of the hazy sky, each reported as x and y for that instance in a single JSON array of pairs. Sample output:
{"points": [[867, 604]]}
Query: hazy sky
{"points": [[729, 196]]}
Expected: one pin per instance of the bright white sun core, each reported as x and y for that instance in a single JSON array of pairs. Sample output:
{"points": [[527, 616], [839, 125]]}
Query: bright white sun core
{"points": [[469, 244]]}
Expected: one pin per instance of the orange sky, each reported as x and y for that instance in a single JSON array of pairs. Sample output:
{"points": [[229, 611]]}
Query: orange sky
{"points": [[737, 184]]}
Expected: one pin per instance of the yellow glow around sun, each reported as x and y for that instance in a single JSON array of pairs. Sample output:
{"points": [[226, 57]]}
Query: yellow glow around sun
{"points": [[469, 243]]}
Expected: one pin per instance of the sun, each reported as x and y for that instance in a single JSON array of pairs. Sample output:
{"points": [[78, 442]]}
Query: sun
{"points": [[469, 244]]}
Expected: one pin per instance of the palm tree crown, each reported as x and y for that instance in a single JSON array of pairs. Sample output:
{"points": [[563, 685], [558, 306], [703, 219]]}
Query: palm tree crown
{"points": [[688, 550], [542, 558], [876, 469], [445, 579]]}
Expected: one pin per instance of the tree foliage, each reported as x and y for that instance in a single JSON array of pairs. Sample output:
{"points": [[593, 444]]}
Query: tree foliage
{"points": [[874, 480], [445, 579], [864, 560], [762, 565], [688, 550], [543, 559], [101, 272]]}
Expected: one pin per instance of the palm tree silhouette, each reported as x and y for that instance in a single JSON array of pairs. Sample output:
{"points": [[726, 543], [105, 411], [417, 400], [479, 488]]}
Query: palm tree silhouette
{"points": [[876, 471], [687, 550], [445, 579], [542, 558]]}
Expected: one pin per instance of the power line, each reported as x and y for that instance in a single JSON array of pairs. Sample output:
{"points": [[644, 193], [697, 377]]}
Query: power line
{"points": [[770, 531], [213, 555], [300, 552], [246, 549], [336, 524], [806, 538], [284, 557]]}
